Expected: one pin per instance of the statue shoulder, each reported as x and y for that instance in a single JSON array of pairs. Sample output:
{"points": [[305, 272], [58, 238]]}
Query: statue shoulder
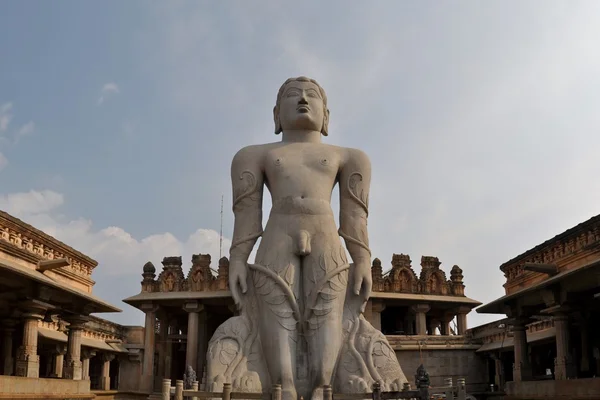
{"points": [[356, 157], [249, 155]]}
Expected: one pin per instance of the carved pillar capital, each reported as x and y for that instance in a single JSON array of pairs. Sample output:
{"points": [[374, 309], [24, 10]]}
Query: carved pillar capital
{"points": [[59, 349], [420, 308], [378, 306], [149, 307], [86, 354], [108, 357], [77, 322], [193, 306]]}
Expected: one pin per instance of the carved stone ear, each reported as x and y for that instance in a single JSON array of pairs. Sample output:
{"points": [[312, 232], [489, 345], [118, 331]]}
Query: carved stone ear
{"points": [[325, 128], [276, 119]]}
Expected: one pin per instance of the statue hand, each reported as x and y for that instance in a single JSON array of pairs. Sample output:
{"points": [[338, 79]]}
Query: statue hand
{"points": [[363, 282], [238, 274]]}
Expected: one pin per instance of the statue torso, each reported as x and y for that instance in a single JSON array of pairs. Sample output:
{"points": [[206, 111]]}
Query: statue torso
{"points": [[301, 176]]}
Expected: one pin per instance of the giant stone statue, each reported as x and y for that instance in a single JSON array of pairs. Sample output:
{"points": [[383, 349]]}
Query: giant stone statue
{"points": [[300, 304]]}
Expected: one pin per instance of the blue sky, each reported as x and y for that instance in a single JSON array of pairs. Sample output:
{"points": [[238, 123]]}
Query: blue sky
{"points": [[118, 122]]}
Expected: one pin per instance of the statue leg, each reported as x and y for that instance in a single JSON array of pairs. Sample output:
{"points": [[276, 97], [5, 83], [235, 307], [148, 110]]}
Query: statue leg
{"points": [[278, 326], [325, 280]]}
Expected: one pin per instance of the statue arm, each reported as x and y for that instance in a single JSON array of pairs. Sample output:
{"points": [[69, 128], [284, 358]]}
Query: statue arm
{"points": [[247, 181], [354, 181]]}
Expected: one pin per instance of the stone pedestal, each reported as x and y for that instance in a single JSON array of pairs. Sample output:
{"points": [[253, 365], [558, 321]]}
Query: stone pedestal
{"points": [[28, 361]]}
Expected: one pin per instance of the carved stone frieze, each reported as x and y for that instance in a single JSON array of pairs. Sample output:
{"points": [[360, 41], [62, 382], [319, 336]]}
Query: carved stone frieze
{"points": [[570, 244], [34, 245], [200, 278]]}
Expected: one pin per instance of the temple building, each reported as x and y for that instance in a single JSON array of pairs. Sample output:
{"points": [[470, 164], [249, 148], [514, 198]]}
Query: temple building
{"points": [[423, 317], [55, 344], [548, 346], [51, 344]]}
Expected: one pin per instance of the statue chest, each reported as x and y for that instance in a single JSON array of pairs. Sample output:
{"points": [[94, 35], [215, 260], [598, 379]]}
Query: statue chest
{"points": [[303, 165]]}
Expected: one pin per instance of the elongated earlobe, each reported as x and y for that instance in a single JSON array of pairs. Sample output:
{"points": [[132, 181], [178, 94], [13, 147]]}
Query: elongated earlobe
{"points": [[276, 119], [325, 127]]}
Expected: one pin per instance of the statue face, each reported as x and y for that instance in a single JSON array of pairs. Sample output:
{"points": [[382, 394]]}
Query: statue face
{"points": [[301, 107]]}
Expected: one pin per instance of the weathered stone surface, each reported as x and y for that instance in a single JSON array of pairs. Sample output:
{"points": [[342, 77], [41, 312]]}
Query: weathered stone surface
{"points": [[301, 302]]}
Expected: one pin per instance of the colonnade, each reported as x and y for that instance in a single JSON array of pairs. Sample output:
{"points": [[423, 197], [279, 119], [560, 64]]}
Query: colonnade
{"points": [[68, 361]]}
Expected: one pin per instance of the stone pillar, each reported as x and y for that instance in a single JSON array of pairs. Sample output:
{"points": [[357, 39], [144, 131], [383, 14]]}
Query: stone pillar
{"points": [[499, 371], [461, 320], [433, 325], [563, 359], [8, 363], [377, 308], [522, 367], [105, 375], [73, 360], [445, 324], [193, 309], [162, 347], [202, 344], [28, 361], [420, 311], [149, 346], [59, 360], [85, 363], [585, 347]]}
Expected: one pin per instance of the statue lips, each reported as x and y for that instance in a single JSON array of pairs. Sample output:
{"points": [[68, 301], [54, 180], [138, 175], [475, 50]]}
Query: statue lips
{"points": [[303, 108]]}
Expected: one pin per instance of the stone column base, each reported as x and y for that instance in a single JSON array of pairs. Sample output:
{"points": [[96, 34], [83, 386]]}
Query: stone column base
{"points": [[72, 370], [9, 366], [521, 373], [29, 368], [105, 383]]}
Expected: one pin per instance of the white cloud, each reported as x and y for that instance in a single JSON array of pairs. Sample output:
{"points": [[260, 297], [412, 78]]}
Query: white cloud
{"points": [[120, 255], [107, 90], [5, 116], [25, 130]]}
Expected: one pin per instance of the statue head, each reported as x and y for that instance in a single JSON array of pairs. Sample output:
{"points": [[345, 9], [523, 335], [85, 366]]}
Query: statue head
{"points": [[301, 104]]}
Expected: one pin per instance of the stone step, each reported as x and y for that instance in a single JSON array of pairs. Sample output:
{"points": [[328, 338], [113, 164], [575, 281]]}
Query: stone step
{"points": [[155, 396]]}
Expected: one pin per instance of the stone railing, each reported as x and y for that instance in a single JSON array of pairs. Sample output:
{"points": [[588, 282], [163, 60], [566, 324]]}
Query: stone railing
{"points": [[423, 392], [432, 342]]}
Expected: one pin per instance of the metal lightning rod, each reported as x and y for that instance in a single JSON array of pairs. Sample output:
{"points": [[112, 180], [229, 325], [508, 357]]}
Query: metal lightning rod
{"points": [[221, 231]]}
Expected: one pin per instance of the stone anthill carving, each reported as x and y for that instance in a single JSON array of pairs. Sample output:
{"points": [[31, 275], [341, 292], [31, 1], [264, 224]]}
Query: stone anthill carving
{"points": [[301, 302]]}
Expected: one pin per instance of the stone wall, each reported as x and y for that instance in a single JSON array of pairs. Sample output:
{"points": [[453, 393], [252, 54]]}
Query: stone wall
{"points": [[130, 373], [442, 364], [41, 388]]}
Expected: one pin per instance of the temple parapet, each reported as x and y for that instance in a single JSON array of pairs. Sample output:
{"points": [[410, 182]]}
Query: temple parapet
{"points": [[568, 250], [27, 243], [201, 277], [403, 279], [400, 279]]}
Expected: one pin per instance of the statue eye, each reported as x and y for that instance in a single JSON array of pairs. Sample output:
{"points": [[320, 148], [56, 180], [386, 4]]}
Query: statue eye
{"points": [[292, 93]]}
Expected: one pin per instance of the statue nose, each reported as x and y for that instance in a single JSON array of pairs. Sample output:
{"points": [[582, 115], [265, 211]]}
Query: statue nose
{"points": [[303, 100]]}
